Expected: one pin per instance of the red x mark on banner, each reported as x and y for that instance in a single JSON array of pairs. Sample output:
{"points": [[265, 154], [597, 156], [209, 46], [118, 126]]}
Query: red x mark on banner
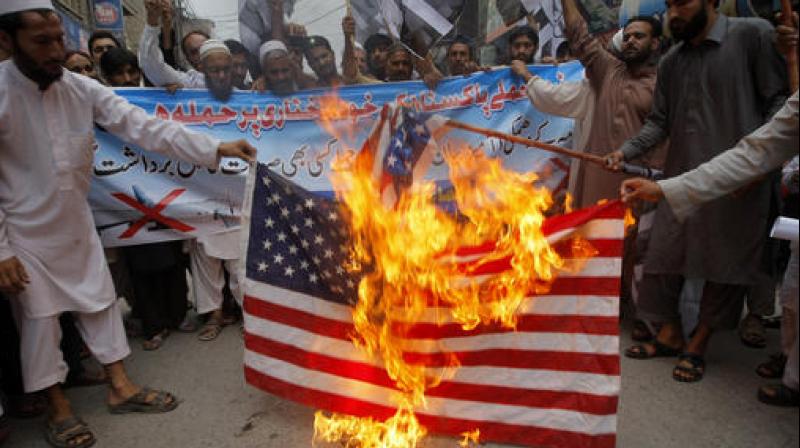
{"points": [[153, 214]]}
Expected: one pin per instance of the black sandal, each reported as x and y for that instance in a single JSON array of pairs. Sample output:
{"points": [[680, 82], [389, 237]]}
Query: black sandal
{"points": [[778, 395], [693, 372], [660, 351], [772, 369], [62, 433]]}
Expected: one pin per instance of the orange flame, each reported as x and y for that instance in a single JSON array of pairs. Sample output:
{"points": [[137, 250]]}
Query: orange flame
{"points": [[408, 255]]}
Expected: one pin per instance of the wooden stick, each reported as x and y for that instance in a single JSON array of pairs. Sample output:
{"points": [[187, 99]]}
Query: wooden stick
{"points": [[526, 141], [791, 58]]}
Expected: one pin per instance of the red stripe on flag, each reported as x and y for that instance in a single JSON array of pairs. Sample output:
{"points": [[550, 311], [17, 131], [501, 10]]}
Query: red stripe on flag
{"points": [[534, 323], [548, 399], [490, 430]]}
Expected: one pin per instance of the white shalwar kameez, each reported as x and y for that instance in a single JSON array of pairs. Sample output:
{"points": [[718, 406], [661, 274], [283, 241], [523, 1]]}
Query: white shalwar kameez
{"points": [[46, 153], [210, 253]]}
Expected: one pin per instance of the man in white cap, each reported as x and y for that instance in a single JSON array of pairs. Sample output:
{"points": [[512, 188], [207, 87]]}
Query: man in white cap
{"points": [[51, 260], [276, 68], [216, 64]]}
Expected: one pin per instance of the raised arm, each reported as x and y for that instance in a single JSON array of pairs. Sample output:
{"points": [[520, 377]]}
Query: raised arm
{"points": [[587, 48], [349, 63], [151, 59]]}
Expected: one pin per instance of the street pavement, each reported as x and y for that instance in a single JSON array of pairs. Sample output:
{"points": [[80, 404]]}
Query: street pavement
{"points": [[220, 410]]}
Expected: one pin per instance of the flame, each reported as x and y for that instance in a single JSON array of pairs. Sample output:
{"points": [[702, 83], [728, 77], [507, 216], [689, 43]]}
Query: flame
{"points": [[568, 199], [408, 253], [471, 437], [629, 220]]}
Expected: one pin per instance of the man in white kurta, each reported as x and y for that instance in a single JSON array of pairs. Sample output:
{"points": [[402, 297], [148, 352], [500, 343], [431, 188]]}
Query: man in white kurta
{"points": [[51, 260], [210, 255]]}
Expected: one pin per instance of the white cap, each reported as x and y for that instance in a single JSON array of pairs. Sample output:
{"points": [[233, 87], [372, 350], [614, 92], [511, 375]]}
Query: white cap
{"points": [[616, 41], [270, 46], [358, 46], [213, 46], [12, 6]]}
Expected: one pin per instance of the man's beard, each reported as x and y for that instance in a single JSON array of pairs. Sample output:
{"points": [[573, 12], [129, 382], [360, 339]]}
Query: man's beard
{"points": [[220, 92], [36, 73], [636, 57], [691, 29], [282, 88]]}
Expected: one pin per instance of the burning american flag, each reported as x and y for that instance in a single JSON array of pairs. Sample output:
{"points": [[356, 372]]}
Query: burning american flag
{"points": [[533, 362]]}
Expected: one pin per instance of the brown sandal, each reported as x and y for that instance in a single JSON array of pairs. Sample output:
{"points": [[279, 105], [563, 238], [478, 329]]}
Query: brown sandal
{"points": [[210, 330], [160, 401], [62, 433], [156, 341]]}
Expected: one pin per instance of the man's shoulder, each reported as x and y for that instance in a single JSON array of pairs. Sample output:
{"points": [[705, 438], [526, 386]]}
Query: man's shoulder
{"points": [[748, 24]]}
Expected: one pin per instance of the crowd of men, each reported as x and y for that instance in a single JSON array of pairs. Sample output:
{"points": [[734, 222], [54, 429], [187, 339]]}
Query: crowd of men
{"points": [[673, 104]]}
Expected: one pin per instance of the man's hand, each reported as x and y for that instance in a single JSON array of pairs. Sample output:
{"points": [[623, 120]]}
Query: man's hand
{"points": [[238, 148], [166, 11], [640, 188], [349, 27], [432, 78], [613, 161], [786, 36], [153, 8], [520, 69], [295, 29], [13, 276], [172, 88], [259, 85]]}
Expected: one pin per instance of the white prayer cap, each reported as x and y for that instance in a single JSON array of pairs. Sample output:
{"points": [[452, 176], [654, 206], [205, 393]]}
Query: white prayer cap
{"points": [[213, 46], [270, 46], [616, 41], [12, 6], [358, 46]]}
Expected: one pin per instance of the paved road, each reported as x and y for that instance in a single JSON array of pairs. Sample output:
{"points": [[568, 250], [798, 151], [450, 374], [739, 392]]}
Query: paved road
{"points": [[219, 410]]}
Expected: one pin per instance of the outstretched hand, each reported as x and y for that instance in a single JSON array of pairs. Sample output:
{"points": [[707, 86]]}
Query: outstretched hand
{"points": [[13, 276], [640, 188], [239, 148]]}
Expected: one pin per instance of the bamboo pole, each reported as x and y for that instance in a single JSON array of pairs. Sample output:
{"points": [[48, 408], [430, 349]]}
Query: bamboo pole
{"points": [[526, 141]]}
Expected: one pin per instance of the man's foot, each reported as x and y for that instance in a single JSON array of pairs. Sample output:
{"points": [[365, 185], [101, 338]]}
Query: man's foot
{"points": [[655, 349], [773, 368], [210, 330], [752, 332], [188, 325], [690, 368], [145, 400], [71, 432], [778, 395], [156, 341]]}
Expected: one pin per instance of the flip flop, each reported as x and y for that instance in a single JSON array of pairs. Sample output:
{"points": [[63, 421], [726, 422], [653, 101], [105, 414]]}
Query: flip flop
{"points": [[160, 402], [691, 373], [60, 434], [752, 332], [156, 341], [210, 331], [772, 369], [778, 395], [661, 351]]}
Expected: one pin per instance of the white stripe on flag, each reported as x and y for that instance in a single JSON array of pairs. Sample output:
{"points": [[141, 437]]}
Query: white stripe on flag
{"points": [[515, 415]]}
